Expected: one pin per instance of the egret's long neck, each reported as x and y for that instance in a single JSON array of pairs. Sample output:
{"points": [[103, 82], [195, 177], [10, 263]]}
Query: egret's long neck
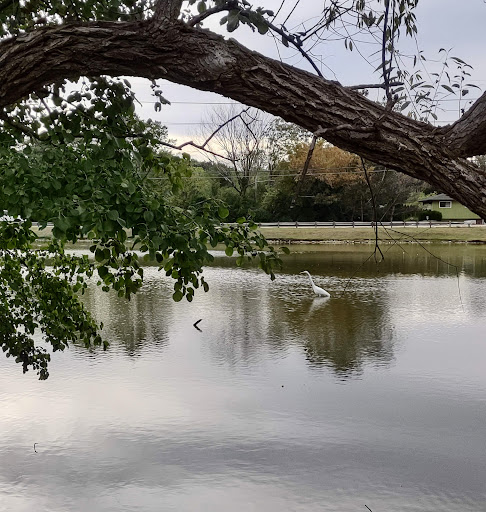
{"points": [[310, 279]]}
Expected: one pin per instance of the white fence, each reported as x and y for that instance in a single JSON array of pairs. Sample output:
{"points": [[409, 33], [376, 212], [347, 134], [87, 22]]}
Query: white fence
{"points": [[358, 224]]}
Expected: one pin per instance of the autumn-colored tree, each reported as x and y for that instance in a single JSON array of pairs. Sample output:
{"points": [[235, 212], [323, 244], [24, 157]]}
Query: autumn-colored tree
{"points": [[328, 163]]}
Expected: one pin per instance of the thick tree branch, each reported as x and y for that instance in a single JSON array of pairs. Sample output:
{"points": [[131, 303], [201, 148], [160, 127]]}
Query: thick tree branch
{"points": [[468, 135], [169, 9], [167, 48]]}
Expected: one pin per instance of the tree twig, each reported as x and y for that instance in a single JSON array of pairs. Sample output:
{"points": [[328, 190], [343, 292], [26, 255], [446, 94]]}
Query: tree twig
{"points": [[18, 126], [213, 10], [203, 147], [373, 86], [312, 146], [386, 75], [373, 202], [228, 6]]}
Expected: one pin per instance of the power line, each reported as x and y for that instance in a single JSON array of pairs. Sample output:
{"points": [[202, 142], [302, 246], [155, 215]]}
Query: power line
{"points": [[273, 178], [193, 102], [462, 99]]}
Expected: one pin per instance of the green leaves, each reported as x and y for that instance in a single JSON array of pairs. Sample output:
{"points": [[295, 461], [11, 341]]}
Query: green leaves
{"points": [[254, 18], [90, 177], [148, 216], [177, 296], [113, 215], [448, 88], [233, 20], [223, 212], [38, 292], [201, 7]]}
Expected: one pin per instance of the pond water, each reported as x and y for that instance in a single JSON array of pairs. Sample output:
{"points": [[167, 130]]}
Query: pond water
{"points": [[373, 398]]}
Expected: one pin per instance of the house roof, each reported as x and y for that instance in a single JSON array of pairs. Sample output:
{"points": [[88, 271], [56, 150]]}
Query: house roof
{"points": [[438, 197]]}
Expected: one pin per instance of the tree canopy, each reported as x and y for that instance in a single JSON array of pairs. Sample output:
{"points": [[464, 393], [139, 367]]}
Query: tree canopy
{"points": [[73, 152], [45, 44]]}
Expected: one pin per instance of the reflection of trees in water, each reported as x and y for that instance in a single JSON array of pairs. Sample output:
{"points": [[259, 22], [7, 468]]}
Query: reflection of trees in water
{"points": [[246, 317], [136, 324], [239, 326], [349, 334], [252, 317], [344, 334], [407, 259]]}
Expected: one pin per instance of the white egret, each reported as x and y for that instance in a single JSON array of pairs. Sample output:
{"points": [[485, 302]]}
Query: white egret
{"points": [[317, 289]]}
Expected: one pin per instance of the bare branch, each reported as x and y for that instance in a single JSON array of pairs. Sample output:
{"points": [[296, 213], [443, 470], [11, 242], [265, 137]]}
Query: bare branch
{"points": [[285, 36], [312, 146], [373, 86], [18, 126], [203, 147], [375, 217], [290, 39], [226, 123]]}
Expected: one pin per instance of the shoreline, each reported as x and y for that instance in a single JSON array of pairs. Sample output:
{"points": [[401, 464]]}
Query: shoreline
{"points": [[474, 235]]}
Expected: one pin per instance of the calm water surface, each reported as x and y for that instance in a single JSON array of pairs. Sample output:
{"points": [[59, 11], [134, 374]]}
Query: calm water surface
{"points": [[284, 402]]}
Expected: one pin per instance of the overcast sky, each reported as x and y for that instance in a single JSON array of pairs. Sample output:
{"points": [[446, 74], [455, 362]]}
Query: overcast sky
{"points": [[449, 24]]}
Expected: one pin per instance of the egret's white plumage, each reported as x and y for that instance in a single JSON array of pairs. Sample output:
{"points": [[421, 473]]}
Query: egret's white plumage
{"points": [[317, 289]]}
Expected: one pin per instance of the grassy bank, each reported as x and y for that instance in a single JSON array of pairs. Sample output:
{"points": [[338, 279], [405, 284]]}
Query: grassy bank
{"points": [[363, 235]]}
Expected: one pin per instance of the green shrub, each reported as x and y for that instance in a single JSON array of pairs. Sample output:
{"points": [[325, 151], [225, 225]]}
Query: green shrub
{"points": [[431, 214]]}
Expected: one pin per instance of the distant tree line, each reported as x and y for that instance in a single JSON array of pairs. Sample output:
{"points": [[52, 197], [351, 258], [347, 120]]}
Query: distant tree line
{"points": [[259, 171]]}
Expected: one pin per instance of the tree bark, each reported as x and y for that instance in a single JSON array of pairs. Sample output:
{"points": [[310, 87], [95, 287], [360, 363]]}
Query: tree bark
{"points": [[165, 47]]}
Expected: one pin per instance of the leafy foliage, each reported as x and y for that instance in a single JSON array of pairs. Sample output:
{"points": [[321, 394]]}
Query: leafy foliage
{"points": [[82, 164], [38, 290]]}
